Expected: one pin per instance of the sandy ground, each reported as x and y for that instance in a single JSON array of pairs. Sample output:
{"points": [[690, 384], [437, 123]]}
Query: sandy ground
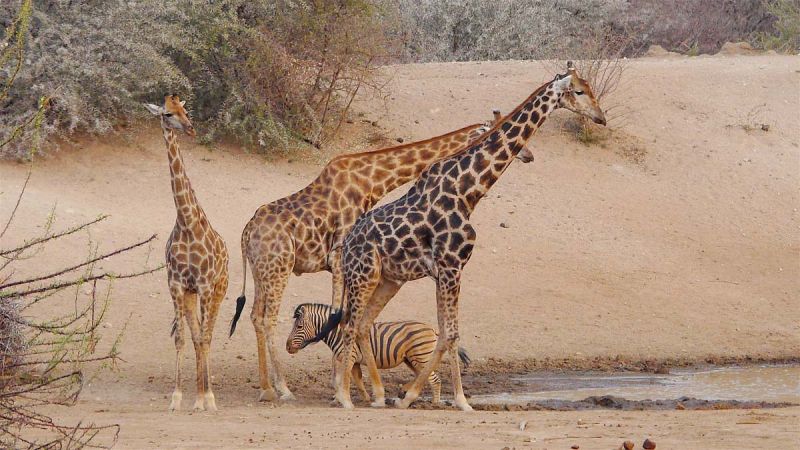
{"points": [[677, 237]]}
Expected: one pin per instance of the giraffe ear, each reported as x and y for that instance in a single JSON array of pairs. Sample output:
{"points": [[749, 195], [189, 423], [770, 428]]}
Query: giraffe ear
{"points": [[155, 110], [565, 82]]}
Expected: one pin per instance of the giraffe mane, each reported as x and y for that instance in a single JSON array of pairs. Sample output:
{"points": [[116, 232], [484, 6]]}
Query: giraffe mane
{"points": [[400, 147], [496, 126]]}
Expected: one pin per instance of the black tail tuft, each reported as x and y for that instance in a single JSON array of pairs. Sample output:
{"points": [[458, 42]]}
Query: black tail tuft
{"points": [[333, 322], [464, 357], [239, 307]]}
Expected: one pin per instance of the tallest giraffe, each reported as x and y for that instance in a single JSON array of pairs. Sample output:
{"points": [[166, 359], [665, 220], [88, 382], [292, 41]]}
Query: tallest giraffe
{"points": [[427, 233]]}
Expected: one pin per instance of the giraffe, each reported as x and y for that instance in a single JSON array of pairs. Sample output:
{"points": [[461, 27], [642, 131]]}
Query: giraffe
{"points": [[427, 232], [302, 233], [197, 260]]}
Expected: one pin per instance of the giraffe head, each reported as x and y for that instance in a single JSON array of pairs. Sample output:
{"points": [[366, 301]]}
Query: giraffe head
{"points": [[578, 96], [173, 114]]}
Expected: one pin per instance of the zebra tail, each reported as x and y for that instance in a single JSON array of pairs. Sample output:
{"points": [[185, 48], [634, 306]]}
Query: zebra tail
{"points": [[465, 359]]}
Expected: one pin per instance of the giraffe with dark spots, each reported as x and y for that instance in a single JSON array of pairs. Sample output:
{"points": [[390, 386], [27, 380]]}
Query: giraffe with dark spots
{"points": [[197, 261], [390, 245], [302, 233]]}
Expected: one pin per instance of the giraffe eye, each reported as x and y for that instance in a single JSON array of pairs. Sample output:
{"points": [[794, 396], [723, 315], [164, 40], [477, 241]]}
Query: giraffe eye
{"points": [[167, 114], [578, 92]]}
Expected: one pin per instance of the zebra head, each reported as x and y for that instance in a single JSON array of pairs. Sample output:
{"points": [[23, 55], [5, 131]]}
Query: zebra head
{"points": [[309, 320]]}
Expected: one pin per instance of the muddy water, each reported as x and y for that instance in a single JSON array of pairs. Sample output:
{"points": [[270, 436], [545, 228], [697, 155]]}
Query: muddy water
{"points": [[763, 383]]}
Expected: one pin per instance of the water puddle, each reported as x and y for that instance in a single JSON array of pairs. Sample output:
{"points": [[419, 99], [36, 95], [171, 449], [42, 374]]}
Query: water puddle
{"points": [[773, 384]]}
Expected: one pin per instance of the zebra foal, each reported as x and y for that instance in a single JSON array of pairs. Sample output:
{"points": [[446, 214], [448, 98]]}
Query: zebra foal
{"points": [[393, 343]]}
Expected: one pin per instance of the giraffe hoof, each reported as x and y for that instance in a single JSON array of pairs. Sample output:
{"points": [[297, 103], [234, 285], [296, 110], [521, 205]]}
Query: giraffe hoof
{"points": [[175, 404], [464, 406], [198, 406], [267, 395], [211, 403], [400, 403], [345, 403], [379, 403], [288, 397]]}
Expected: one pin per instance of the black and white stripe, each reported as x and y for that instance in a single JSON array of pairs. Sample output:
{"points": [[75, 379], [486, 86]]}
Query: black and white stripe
{"points": [[393, 343]]}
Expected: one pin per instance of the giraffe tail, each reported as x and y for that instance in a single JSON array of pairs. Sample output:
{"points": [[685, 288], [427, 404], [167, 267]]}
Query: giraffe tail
{"points": [[242, 299], [464, 357]]}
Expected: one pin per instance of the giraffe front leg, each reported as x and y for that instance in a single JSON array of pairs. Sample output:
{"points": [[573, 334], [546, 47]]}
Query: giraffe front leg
{"points": [[209, 309], [455, 369], [192, 319], [447, 290], [177, 332], [383, 293], [362, 390]]}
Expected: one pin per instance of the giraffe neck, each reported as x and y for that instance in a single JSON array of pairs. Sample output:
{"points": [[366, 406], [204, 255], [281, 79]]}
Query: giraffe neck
{"points": [[185, 201], [394, 167], [479, 167]]}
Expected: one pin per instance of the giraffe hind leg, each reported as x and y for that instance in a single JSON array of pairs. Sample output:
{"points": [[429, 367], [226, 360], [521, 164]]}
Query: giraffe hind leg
{"points": [[273, 307]]}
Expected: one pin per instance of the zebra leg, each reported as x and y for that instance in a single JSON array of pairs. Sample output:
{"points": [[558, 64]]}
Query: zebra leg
{"points": [[362, 390], [436, 388]]}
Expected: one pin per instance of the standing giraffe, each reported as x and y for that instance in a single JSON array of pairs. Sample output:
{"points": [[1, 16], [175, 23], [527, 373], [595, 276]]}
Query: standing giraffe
{"points": [[197, 260], [427, 233], [302, 233]]}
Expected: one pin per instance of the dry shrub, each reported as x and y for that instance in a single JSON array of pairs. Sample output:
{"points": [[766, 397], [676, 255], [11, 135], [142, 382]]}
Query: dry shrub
{"points": [[785, 36], [693, 26], [466, 30], [600, 61], [44, 360], [265, 73]]}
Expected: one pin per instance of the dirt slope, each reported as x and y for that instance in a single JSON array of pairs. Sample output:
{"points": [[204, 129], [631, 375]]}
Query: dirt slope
{"points": [[678, 237]]}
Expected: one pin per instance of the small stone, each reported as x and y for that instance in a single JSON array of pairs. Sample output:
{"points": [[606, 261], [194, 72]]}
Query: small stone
{"points": [[765, 127], [503, 225], [648, 444], [680, 407], [575, 447], [400, 140], [627, 445]]}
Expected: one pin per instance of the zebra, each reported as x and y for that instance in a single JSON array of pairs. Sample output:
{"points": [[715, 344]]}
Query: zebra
{"points": [[393, 343]]}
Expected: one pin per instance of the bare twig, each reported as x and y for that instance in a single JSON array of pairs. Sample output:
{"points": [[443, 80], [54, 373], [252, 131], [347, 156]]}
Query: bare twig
{"points": [[77, 266]]}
